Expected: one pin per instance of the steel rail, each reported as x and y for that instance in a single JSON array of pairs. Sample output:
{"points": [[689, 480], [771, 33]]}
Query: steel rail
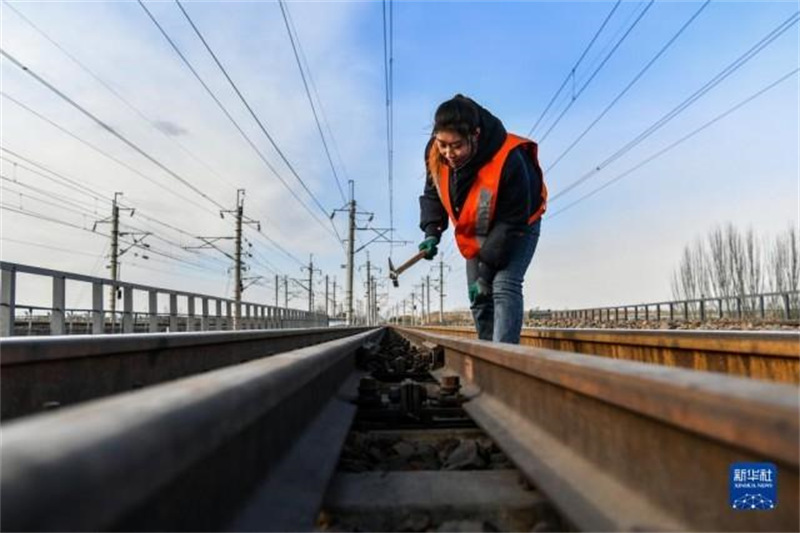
{"points": [[621, 445], [40, 373], [769, 355], [204, 453]]}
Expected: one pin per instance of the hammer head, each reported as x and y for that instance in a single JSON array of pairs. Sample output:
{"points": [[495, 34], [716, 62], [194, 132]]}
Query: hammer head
{"points": [[393, 274]]}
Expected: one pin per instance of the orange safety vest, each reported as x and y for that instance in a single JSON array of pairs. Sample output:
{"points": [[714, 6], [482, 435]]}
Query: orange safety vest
{"points": [[472, 225]]}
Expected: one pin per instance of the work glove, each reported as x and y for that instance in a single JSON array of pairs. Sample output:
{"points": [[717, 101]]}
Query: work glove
{"points": [[429, 247], [479, 290], [482, 286]]}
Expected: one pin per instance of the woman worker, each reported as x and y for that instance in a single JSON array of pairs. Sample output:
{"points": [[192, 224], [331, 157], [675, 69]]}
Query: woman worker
{"points": [[489, 184]]}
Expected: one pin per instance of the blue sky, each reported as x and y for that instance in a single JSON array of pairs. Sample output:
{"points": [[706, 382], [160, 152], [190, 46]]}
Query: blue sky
{"points": [[619, 246]]}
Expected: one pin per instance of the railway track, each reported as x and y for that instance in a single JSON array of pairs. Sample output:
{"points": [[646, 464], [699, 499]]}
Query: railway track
{"points": [[53, 372], [399, 429], [769, 355]]}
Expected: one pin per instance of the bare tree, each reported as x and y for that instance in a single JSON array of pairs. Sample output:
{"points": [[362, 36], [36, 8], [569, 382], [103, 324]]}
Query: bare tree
{"points": [[793, 274], [690, 281], [784, 262], [754, 264], [737, 262], [719, 259], [729, 263]]}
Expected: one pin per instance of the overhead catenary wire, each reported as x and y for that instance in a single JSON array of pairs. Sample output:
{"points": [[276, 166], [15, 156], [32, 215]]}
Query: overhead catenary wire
{"points": [[186, 62], [85, 207], [680, 141], [49, 247], [297, 47], [571, 74], [292, 38], [78, 187], [269, 253], [94, 271], [259, 258], [47, 218], [601, 52], [275, 244], [228, 115], [250, 109], [624, 91], [182, 260], [89, 209], [321, 107], [265, 268], [185, 233], [195, 252], [57, 178], [161, 253], [165, 224], [151, 122], [597, 70], [108, 128], [80, 210], [677, 110], [103, 152], [388, 60]]}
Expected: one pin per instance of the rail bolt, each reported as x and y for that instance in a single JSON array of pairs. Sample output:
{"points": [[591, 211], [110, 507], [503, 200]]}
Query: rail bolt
{"points": [[450, 385], [412, 397], [368, 391]]}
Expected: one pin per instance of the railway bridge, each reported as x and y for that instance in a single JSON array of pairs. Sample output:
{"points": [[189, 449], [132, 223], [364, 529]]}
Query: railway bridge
{"points": [[594, 150], [292, 424]]}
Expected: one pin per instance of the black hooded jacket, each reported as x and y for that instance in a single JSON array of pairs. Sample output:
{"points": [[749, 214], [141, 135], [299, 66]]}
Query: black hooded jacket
{"points": [[518, 197]]}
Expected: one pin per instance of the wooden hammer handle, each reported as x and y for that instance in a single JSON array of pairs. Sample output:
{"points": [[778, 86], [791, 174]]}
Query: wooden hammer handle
{"points": [[411, 262]]}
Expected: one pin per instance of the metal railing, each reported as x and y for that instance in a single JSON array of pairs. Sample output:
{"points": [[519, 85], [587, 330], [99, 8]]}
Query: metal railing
{"points": [[212, 314], [766, 306]]}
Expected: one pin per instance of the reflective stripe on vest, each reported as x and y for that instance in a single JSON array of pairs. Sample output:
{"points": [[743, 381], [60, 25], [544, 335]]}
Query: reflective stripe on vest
{"points": [[475, 220]]}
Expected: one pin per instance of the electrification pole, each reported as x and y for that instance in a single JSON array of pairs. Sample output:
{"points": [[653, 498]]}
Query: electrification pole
{"points": [[428, 301], [441, 292], [311, 284], [351, 238], [114, 259], [369, 293], [375, 309], [422, 301], [237, 256], [238, 264], [380, 237], [335, 312], [311, 270], [116, 253]]}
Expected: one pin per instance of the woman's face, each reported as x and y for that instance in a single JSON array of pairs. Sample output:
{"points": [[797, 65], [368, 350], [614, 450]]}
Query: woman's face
{"points": [[454, 147]]}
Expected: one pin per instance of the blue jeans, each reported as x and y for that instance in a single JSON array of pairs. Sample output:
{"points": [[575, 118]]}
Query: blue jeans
{"points": [[499, 318]]}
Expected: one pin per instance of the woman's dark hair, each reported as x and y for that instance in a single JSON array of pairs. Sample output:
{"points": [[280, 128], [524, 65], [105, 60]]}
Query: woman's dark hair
{"points": [[459, 114]]}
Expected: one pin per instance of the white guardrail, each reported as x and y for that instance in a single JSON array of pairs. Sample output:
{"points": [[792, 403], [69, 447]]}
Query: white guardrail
{"points": [[215, 313], [765, 306]]}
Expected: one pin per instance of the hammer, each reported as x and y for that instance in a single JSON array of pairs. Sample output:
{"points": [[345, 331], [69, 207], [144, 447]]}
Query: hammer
{"points": [[394, 272]]}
